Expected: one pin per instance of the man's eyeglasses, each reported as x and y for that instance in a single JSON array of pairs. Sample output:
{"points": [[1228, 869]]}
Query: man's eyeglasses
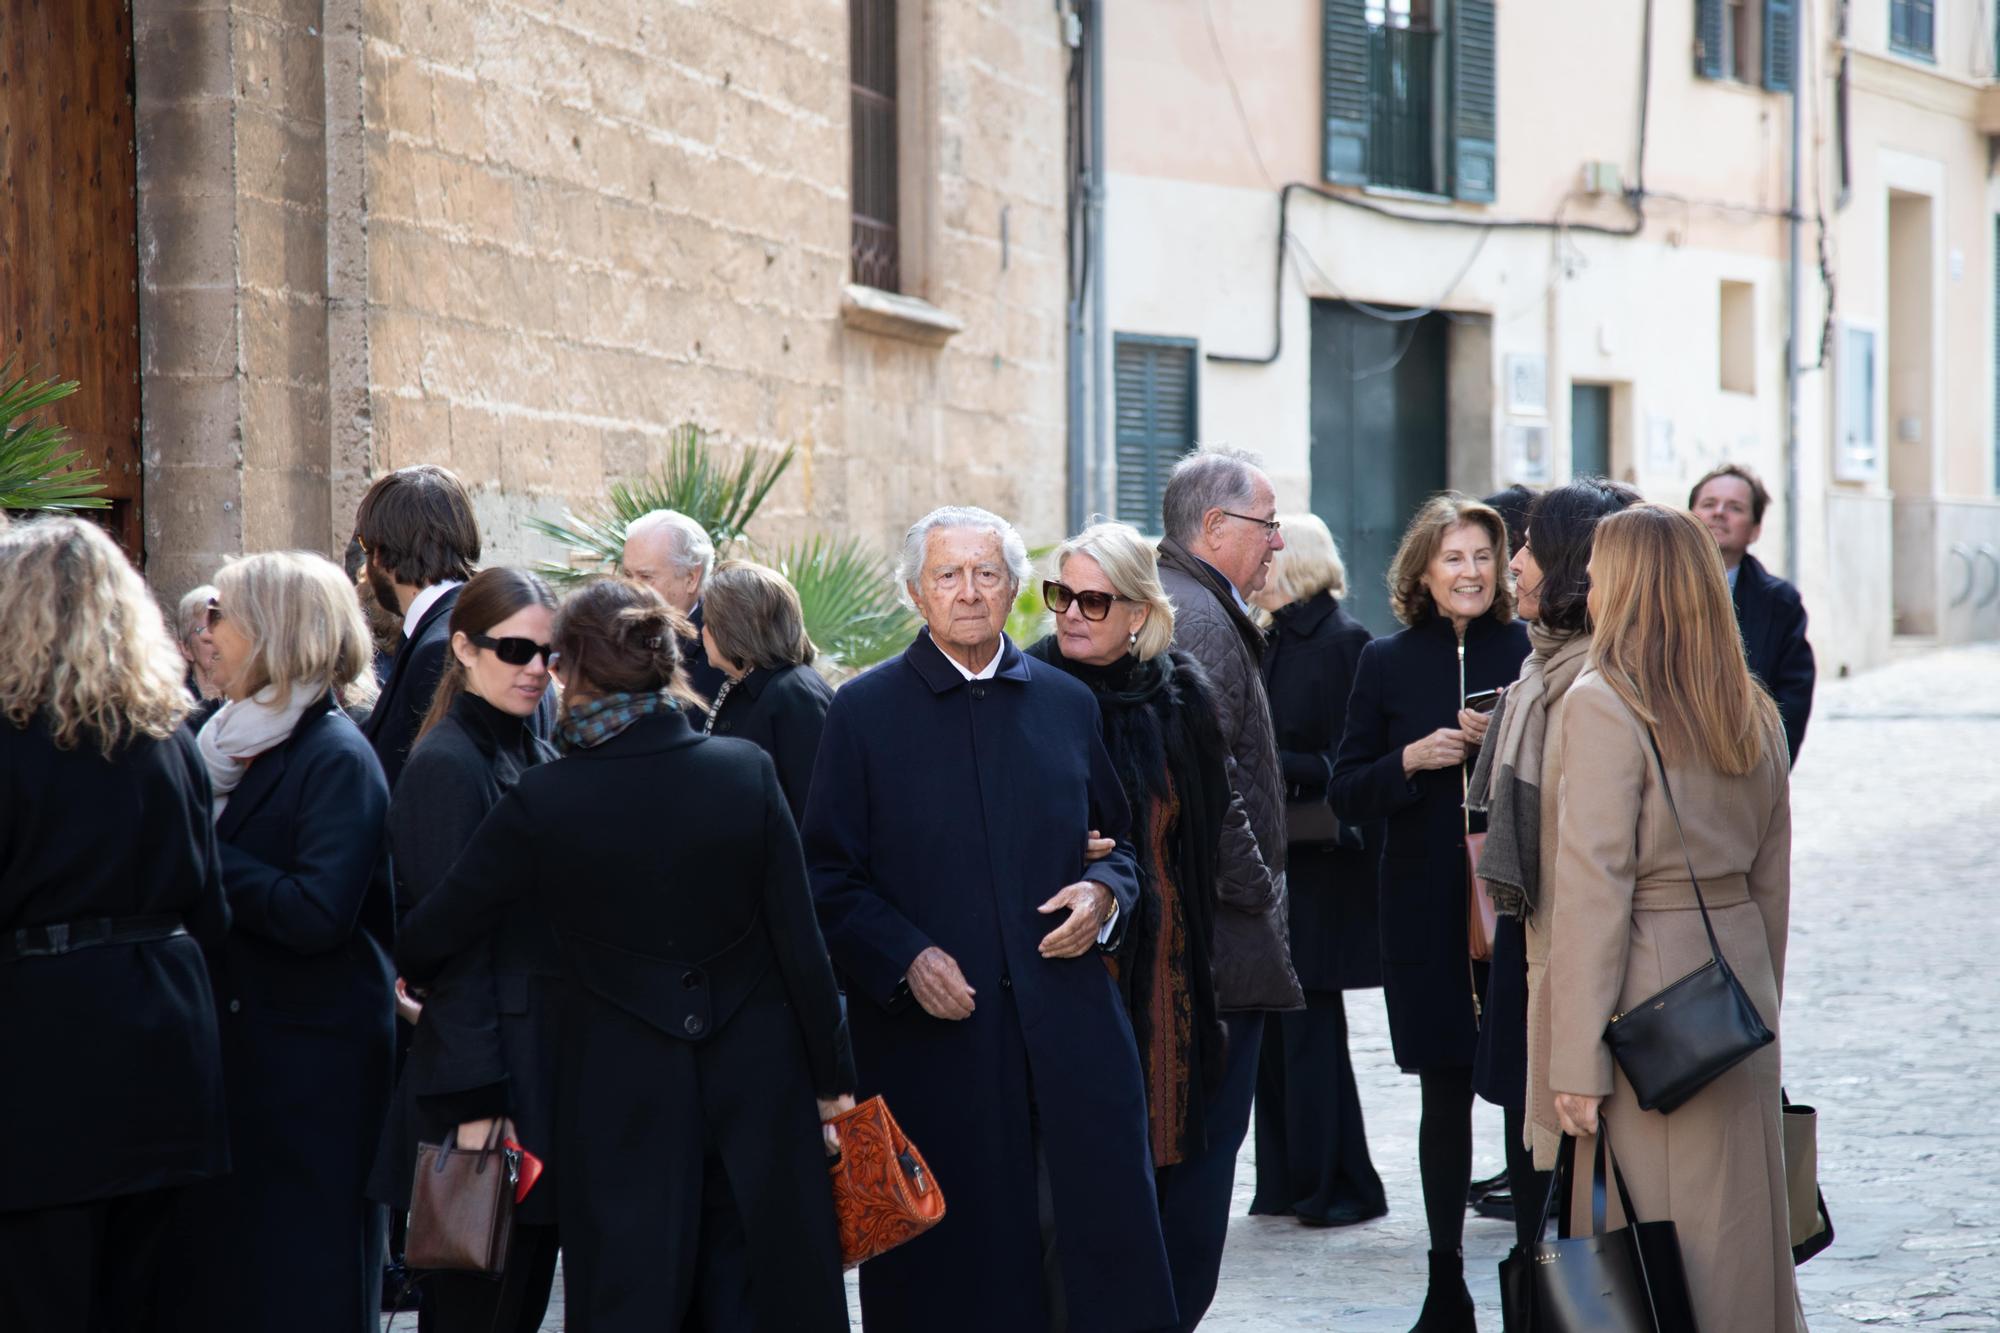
{"points": [[516, 652], [1093, 605], [1270, 525]]}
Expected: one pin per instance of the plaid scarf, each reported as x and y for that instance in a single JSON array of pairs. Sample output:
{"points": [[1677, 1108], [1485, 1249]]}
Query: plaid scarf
{"points": [[597, 721]]}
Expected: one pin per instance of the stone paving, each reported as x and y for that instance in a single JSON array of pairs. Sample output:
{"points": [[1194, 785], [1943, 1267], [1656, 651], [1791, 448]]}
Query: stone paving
{"points": [[1891, 1028]]}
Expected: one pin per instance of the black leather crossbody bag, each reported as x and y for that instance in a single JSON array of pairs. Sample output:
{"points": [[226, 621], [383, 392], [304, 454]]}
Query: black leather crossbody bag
{"points": [[1673, 1044]]}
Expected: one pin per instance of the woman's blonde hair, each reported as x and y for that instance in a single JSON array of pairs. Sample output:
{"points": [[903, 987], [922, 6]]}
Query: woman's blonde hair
{"points": [[1133, 567], [1666, 640], [1309, 565], [304, 624], [87, 646], [1409, 598]]}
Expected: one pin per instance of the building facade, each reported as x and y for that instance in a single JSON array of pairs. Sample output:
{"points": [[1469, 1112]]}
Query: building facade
{"points": [[527, 241], [1396, 245]]}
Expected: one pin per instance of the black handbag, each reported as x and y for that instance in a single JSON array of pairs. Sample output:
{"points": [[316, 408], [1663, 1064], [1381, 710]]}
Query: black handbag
{"points": [[1626, 1281], [1812, 1225], [1674, 1043]]}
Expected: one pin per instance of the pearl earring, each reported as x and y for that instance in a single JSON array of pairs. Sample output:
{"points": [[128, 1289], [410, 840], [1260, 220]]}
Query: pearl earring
{"points": [[1132, 639]]}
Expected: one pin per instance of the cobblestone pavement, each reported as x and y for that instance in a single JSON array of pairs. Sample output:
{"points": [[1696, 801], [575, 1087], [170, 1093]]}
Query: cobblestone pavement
{"points": [[1891, 1028]]}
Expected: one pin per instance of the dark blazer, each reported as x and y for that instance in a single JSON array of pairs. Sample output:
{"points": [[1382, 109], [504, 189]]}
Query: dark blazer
{"points": [[486, 1045], [113, 1065], [306, 1038], [699, 1018], [705, 679], [945, 812], [406, 694], [1406, 687], [783, 712], [1773, 621], [1308, 674]]}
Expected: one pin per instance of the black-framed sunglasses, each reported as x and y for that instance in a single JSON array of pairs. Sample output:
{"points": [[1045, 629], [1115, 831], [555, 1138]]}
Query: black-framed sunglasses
{"points": [[1093, 605], [1270, 525], [215, 614], [516, 652]]}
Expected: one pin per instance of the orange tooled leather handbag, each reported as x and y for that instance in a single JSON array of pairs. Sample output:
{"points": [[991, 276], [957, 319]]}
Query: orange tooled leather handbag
{"points": [[883, 1193]]}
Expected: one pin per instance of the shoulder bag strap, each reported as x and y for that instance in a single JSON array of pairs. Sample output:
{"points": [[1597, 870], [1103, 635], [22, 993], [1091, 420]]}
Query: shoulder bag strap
{"points": [[1714, 949]]}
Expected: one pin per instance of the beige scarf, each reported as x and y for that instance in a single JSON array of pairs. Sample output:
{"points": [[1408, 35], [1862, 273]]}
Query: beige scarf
{"points": [[1506, 784]]}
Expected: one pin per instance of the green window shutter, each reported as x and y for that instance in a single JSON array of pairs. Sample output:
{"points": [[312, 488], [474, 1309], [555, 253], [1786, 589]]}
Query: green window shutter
{"points": [[1153, 380], [1474, 99], [1344, 92], [1780, 32], [1708, 41], [1996, 356]]}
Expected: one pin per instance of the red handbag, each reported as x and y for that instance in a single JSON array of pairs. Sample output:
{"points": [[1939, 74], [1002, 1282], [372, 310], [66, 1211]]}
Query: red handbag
{"points": [[883, 1193]]}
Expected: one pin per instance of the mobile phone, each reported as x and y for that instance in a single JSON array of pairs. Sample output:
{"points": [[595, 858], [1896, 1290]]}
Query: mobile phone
{"points": [[1483, 701]]}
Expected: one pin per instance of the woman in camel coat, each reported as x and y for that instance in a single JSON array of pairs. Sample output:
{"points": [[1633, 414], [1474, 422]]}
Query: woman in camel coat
{"points": [[1622, 913]]}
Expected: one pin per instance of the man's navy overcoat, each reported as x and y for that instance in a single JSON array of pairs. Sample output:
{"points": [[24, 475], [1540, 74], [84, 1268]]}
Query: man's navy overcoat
{"points": [[944, 812]]}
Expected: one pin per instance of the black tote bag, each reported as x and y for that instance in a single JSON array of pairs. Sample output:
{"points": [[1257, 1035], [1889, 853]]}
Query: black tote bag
{"points": [[1626, 1281], [1676, 1042]]}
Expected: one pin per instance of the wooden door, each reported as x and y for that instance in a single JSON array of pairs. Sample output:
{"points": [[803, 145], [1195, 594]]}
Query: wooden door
{"points": [[69, 249], [1590, 430], [1378, 439]]}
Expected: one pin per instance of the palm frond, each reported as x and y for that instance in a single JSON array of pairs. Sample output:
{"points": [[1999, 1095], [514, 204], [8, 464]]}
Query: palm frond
{"points": [[851, 610], [720, 492], [38, 469]]}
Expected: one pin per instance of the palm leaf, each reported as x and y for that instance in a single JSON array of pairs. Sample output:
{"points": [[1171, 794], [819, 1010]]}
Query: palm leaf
{"points": [[38, 469], [851, 610], [720, 492]]}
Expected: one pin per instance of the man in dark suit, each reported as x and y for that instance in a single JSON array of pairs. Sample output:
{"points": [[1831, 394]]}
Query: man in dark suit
{"points": [[417, 530], [1731, 501], [670, 551]]}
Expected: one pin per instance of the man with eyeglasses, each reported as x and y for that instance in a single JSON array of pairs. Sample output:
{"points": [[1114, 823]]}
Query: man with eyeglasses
{"points": [[1219, 516]]}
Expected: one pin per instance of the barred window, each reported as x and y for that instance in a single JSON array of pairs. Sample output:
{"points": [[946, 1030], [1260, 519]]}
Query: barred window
{"points": [[872, 53]]}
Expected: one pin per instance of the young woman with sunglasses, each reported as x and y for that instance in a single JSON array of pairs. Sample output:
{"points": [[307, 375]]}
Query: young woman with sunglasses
{"points": [[484, 1045]]}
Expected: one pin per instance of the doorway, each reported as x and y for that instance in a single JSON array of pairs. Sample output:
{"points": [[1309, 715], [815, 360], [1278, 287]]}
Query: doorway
{"points": [[1912, 423], [69, 240], [1590, 430], [1379, 426]]}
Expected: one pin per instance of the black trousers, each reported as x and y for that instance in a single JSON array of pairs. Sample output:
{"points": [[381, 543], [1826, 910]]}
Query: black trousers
{"points": [[85, 1268], [1312, 1145], [514, 1302], [1194, 1195]]}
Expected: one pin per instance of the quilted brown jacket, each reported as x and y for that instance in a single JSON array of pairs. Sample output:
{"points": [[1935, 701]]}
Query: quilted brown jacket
{"points": [[1253, 961]]}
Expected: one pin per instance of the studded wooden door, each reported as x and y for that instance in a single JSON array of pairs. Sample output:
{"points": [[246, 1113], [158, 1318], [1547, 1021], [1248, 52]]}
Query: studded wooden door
{"points": [[69, 254]]}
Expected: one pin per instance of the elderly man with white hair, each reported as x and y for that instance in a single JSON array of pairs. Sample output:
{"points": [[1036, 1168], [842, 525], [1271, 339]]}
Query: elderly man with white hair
{"points": [[671, 552], [946, 839]]}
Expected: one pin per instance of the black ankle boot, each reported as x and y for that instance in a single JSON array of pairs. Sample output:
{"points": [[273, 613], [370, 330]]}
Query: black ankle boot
{"points": [[1447, 1305]]}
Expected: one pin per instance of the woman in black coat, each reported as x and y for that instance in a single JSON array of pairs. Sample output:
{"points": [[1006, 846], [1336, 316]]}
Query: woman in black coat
{"points": [[700, 1023], [1404, 759], [754, 632], [1312, 1143], [107, 1021], [291, 1240], [484, 1045], [1114, 625]]}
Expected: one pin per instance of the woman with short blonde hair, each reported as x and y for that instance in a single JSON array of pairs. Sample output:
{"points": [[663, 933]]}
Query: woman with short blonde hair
{"points": [[1114, 630], [1309, 564], [111, 905], [1667, 665], [1312, 1142], [289, 1240]]}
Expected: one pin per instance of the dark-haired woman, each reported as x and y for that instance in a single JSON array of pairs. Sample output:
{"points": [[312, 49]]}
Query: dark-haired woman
{"points": [[754, 632], [1404, 758], [484, 1045], [701, 1035], [1514, 784]]}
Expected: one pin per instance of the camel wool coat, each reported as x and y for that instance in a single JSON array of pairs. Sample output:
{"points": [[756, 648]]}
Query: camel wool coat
{"points": [[1622, 924]]}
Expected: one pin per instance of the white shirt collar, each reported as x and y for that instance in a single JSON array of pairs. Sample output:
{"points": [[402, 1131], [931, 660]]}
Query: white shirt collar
{"points": [[421, 604], [987, 672]]}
